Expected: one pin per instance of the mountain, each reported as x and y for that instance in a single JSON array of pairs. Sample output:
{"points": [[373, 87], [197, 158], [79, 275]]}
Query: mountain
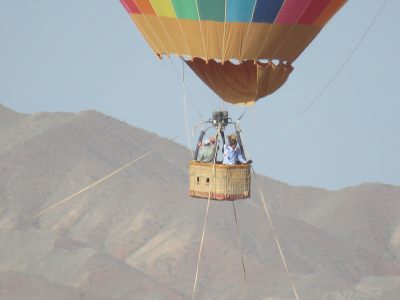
{"points": [[136, 235], [9, 118]]}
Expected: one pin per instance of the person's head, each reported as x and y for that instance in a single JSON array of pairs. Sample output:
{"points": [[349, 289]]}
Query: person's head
{"points": [[212, 140], [206, 142], [232, 139]]}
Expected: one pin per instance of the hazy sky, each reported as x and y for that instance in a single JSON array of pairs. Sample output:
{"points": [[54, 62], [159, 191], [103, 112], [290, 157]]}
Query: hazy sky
{"points": [[87, 54]]}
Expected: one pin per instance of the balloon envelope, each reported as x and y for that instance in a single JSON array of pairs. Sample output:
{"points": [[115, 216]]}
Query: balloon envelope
{"points": [[214, 32]]}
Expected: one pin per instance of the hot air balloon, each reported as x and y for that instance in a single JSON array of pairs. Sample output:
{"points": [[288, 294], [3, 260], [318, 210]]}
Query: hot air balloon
{"points": [[242, 49]]}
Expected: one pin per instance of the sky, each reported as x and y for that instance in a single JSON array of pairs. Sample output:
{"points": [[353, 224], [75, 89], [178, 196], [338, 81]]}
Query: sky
{"points": [[78, 55]]}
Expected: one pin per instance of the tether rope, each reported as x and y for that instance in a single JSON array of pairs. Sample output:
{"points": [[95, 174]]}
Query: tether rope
{"points": [[205, 223], [220, 102], [201, 243], [327, 85], [185, 108], [88, 187], [239, 241], [275, 235], [179, 77], [243, 113]]}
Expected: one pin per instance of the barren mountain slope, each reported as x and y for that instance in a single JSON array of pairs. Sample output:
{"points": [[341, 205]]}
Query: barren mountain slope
{"points": [[9, 118], [136, 235]]}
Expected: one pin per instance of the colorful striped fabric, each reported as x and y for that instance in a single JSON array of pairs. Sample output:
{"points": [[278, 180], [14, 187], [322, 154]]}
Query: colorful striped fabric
{"points": [[307, 12], [241, 30]]}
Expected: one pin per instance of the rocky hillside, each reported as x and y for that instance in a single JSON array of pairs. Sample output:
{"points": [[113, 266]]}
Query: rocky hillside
{"points": [[137, 234]]}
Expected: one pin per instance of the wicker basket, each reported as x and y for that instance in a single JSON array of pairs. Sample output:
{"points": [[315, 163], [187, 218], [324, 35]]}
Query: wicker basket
{"points": [[220, 182]]}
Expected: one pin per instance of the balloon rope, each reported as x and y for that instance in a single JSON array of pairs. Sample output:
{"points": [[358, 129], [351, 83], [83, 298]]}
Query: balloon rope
{"points": [[185, 109], [243, 47], [212, 181], [327, 85], [275, 236], [63, 201], [179, 77], [201, 31], [269, 30], [223, 58], [201, 242], [273, 231], [292, 27], [184, 38], [243, 113], [239, 241]]}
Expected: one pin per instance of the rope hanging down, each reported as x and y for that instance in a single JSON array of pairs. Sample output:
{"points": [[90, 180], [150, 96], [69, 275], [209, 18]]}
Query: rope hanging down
{"points": [[204, 226], [212, 182], [188, 95], [327, 85], [239, 241], [275, 236], [185, 109], [63, 201]]}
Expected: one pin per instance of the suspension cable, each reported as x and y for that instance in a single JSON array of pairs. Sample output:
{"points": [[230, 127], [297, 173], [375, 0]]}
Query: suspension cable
{"points": [[179, 77], [268, 216], [90, 186], [278, 245], [212, 182], [239, 241], [243, 113], [328, 84], [201, 242], [273, 231], [185, 108]]}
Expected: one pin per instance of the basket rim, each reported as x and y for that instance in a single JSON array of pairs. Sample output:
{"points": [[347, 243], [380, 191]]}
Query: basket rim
{"points": [[219, 165]]}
